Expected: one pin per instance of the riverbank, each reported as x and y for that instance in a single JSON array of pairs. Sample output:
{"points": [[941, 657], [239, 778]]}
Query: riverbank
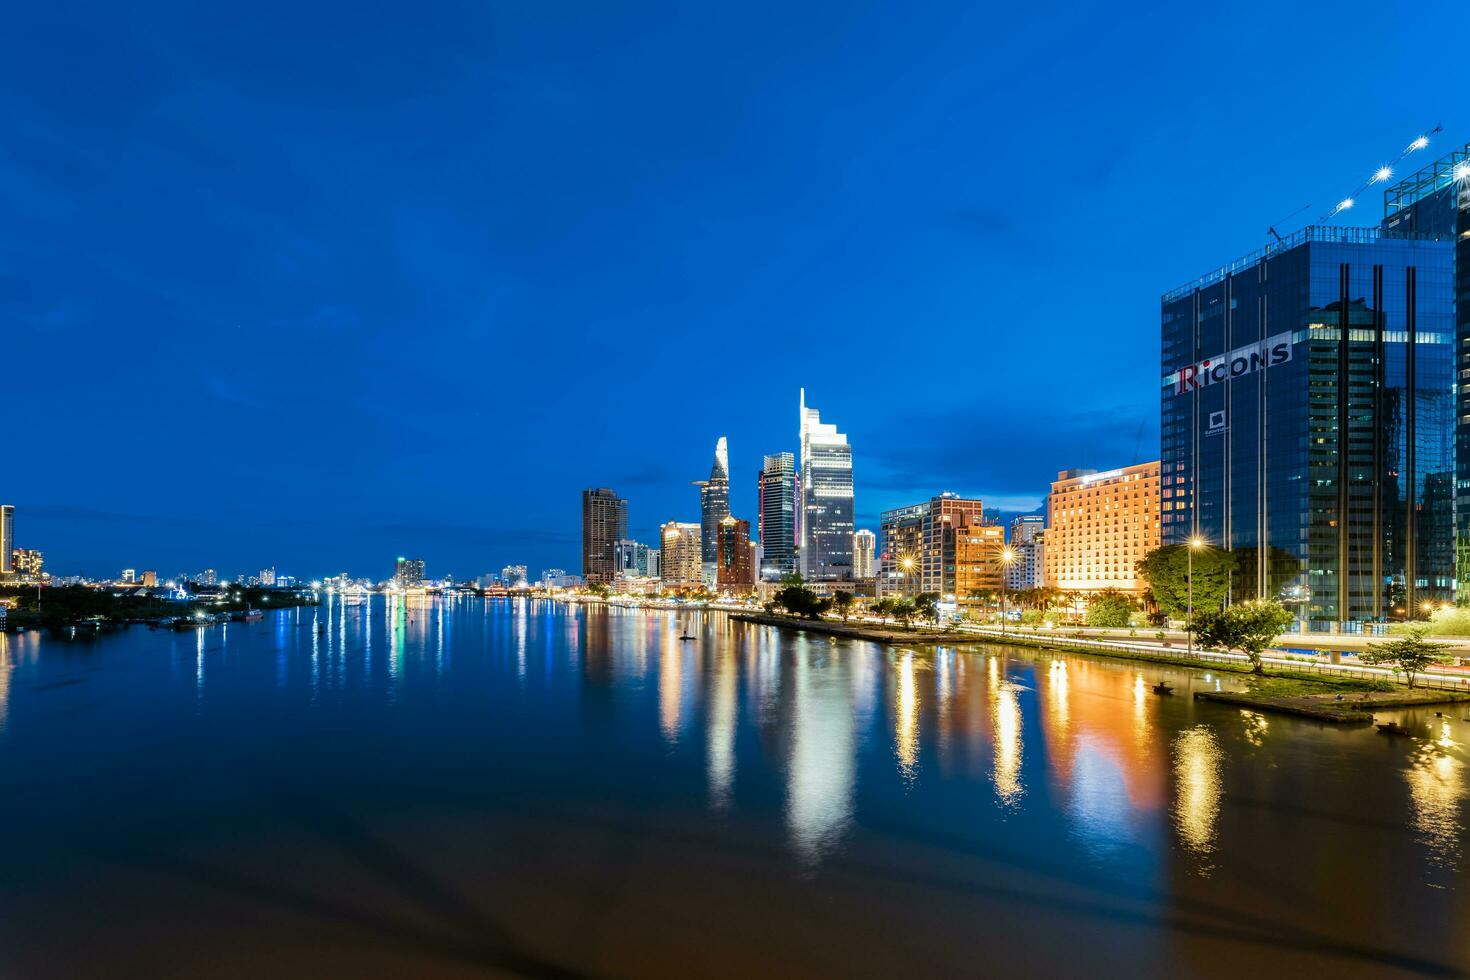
{"points": [[1338, 702], [1329, 698], [68, 607]]}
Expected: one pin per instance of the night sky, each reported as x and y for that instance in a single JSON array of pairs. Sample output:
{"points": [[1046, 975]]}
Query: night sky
{"points": [[313, 285]]}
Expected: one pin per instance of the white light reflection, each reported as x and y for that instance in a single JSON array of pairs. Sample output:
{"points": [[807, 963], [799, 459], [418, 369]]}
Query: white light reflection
{"points": [[720, 737], [906, 719], [1198, 788], [820, 778]]}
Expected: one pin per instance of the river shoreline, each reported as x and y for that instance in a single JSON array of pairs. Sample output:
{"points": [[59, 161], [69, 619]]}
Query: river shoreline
{"points": [[1333, 700]]}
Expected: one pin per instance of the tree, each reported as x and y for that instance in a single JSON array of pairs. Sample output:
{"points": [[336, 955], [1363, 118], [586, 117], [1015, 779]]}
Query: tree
{"points": [[801, 601], [1409, 653], [883, 607], [1167, 570], [1110, 608], [842, 602], [926, 606], [1249, 627], [902, 610]]}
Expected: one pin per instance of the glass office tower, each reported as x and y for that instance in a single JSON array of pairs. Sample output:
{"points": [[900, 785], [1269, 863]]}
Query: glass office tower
{"points": [[714, 507], [1307, 422], [777, 495], [826, 500], [1436, 201]]}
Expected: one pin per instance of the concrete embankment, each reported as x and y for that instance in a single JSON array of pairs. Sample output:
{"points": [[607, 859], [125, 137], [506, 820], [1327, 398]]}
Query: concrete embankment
{"points": [[859, 631]]}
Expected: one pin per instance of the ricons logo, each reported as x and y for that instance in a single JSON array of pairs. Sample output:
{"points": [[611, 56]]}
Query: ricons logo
{"points": [[1237, 363]]}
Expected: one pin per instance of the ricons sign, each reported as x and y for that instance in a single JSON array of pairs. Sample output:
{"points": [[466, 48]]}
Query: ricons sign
{"points": [[1238, 363]]}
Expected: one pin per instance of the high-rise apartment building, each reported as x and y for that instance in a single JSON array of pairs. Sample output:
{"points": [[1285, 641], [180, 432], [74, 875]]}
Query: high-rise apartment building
{"points": [[1025, 528], [679, 557], [734, 557], [864, 554], [919, 543], [1099, 526], [7, 539], [408, 573], [604, 524], [515, 576], [714, 506], [776, 491], [826, 515], [1308, 419], [27, 564]]}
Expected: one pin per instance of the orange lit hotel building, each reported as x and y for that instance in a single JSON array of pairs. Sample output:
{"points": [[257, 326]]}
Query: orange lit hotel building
{"points": [[1099, 526]]}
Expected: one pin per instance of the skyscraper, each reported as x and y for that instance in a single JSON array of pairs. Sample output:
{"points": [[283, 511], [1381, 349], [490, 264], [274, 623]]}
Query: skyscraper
{"points": [[864, 554], [919, 542], [777, 494], [734, 557], [714, 507], [1099, 526], [1308, 420], [826, 499], [604, 524], [679, 563], [408, 573], [7, 538]]}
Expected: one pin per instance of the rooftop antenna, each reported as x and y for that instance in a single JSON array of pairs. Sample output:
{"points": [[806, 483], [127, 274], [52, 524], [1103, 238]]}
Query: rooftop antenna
{"points": [[1271, 230]]}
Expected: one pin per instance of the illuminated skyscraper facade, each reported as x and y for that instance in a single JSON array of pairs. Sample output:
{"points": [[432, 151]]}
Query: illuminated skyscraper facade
{"points": [[1308, 421], [776, 492], [714, 507], [919, 542], [864, 554], [734, 557], [7, 539], [604, 524], [680, 566], [1099, 526], [826, 516]]}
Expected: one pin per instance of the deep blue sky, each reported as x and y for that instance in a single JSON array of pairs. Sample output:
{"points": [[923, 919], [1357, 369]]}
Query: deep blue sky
{"points": [[318, 284]]}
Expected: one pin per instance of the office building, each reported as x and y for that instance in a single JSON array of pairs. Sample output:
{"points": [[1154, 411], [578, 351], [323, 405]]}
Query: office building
{"points": [[864, 554], [7, 539], [919, 543], [633, 559], [129, 575], [734, 557], [777, 493], [408, 573], [1435, 202], [1308, 419], [978, 564], [207, 577], [515, 577], [1024, 571], [826, 514], [150, 578], [714, 507], [267, 577], [679, 557], [604, 523], [1099, 526]]}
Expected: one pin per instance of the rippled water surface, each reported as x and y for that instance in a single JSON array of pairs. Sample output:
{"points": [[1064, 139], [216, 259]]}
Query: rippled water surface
{"points": [[471, 788]]}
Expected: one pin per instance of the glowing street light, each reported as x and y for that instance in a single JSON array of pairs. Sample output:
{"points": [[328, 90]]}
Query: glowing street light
{"points": [[1195, 543], [1461, 171], [1419, 143], [1007, 556], [1382, 174]]}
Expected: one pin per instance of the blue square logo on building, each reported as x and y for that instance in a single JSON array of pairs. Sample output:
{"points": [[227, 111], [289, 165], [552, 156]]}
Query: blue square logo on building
{"points": [[1217, 423]]}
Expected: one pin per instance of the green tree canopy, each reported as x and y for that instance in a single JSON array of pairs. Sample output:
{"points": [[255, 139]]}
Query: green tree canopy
{"points": [[1409, 653], [842, 602], [801, 601], [926, 606], [1110, 608], [1166, 570], [1249, 627]]}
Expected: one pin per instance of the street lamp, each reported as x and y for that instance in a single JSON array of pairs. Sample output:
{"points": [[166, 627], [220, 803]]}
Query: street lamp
{"points": [[1007, 555], [1195, 544], [908, 565]]}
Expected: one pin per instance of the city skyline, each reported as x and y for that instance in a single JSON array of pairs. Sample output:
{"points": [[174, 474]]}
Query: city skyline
{"points": [[353, 347]]}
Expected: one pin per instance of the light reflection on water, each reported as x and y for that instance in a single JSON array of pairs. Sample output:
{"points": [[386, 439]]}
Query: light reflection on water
{"points": [[821, 744]]}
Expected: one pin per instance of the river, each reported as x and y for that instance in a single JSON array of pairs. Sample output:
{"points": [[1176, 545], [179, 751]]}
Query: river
{"points": [[466, 787]]}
